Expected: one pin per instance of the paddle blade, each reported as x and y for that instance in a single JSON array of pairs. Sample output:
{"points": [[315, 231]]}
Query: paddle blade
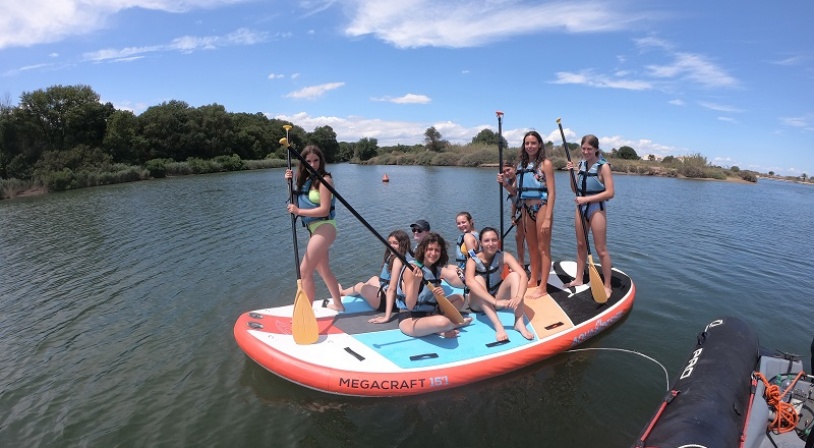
{"points": [[303, 322], [447, 307], [597, 287]]}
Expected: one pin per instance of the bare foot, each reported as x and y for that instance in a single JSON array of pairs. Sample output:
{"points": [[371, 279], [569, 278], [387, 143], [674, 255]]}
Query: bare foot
{"points": [[533, 283], [575, 282], [608, 292], [539, 292], [500, 335], [467, 321], [521, 328], [449, 334], [340, 308]]}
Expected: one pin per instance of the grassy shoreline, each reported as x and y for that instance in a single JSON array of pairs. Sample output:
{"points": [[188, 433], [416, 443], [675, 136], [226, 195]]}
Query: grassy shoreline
{"points": [[14, 188]]}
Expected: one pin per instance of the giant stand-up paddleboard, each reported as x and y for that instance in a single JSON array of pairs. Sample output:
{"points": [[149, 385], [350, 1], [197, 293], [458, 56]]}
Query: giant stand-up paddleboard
{"points": [[354, 357]]}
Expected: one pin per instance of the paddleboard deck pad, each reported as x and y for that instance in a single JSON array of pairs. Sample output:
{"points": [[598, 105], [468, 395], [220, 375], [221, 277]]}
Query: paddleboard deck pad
{"points": [[357, 358]]}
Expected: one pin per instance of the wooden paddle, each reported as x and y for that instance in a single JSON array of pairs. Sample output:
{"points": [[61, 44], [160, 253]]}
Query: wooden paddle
{"points": [[303, 321], [597, 286], [446, 306]]}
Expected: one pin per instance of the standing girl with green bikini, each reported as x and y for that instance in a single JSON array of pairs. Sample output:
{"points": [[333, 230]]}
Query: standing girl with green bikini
{"points": [[316, 206]]}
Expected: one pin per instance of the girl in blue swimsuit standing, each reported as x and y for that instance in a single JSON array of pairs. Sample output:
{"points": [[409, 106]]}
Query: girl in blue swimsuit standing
{"points": [[535, 187], [594, 189]]}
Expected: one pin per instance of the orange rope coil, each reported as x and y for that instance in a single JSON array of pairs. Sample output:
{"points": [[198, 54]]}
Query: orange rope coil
{"points": [[785, 418]]}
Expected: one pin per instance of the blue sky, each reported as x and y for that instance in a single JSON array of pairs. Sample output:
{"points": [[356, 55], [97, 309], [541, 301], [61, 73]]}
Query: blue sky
{"points": [[731, 80]]}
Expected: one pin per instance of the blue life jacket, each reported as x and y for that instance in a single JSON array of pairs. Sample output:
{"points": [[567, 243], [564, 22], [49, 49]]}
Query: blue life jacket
{"points": [[462, 255], [425, 302], [303, 201], [588, 182], [528, 186], [493, 275]]}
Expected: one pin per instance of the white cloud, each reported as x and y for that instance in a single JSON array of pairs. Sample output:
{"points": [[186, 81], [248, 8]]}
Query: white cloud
{"points": [[676, 102], [588, 78], [805, 122], [313, 92], [696, 68], [34, 22], [794, 60], [646, 43], [462, 23], [409, 98], [276, 76], [728, 120], [184, 44], [720, 107]]}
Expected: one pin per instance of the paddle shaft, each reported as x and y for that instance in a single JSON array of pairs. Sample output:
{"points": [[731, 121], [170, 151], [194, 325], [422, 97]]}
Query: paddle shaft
{"points": [[500, 169], [293, 219], [583, 218]]}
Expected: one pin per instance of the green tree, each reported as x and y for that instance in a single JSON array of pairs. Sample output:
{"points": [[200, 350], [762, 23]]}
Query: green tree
{"points": [[65, 116], [771, 173], [734, 168], [120, 137], [804, 177], [433, 140], [651, 157], [627, 153], [668, 159], [346, 151], [489, 137], [366, 148], [164, 129], [254, 136], [325, 138]]}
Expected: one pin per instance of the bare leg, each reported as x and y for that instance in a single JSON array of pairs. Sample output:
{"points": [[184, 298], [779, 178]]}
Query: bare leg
{"points": [[582, 250], [599, 229], [544, 249], [520, 240], [485, 304], [316, 255], [423, 326], [534, 253]]}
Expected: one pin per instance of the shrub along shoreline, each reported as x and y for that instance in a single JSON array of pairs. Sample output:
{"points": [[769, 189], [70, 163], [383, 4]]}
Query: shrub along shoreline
{"points": [[693, 167]]}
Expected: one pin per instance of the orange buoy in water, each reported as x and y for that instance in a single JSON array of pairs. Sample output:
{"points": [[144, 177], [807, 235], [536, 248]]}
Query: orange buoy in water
{"points": [[385, 178]]}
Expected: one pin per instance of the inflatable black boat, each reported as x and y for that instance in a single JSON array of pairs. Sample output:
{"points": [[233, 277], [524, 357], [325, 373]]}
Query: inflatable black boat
{"points": [[733, 393]]}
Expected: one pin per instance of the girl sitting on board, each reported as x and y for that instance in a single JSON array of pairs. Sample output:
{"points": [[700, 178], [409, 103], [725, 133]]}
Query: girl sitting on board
{"points": [[594, 188], [416, 300], [380, 291], [466, 245], [316, 206], [488, 291]]}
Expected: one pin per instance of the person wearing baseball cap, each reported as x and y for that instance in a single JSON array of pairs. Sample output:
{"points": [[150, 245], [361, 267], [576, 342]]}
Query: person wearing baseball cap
{"points": [[421, 228]]}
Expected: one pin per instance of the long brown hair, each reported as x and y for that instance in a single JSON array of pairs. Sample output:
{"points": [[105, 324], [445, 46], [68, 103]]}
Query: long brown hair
{"points": [[302, 171], [524, 156], [404, 247]]}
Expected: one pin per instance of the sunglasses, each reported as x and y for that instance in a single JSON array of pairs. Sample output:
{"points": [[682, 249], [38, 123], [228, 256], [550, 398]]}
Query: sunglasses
{"points": [[418, 231]]}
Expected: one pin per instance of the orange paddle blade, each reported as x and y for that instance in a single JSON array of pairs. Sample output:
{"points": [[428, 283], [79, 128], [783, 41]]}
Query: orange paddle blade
{"points": [[597, 286], [447, 307], [303, 321]]}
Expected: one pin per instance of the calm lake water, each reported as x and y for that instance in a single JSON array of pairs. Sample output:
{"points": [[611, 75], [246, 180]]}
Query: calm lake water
{"points": [[117, 306]]}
